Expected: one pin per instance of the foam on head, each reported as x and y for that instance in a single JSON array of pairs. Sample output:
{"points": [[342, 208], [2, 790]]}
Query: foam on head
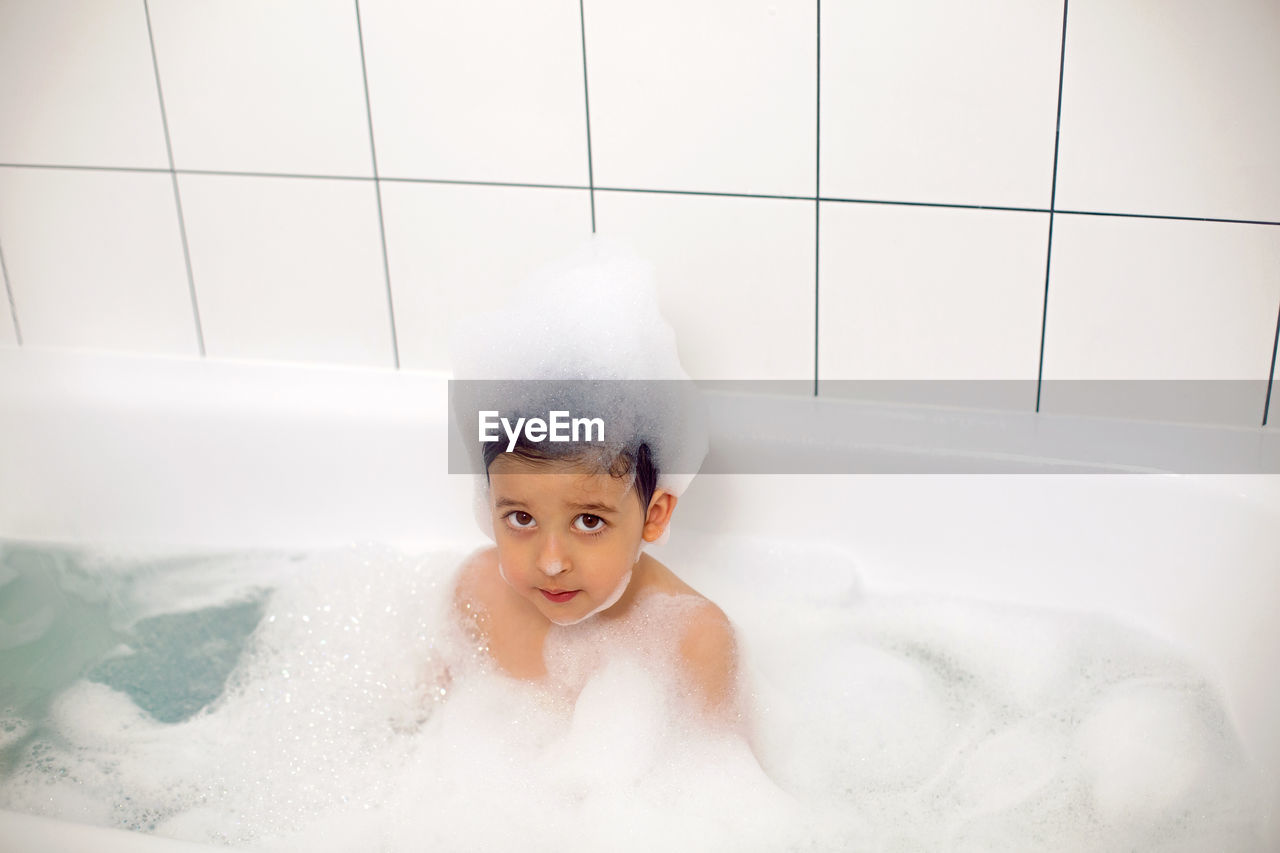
{"points": [[592, 315]]}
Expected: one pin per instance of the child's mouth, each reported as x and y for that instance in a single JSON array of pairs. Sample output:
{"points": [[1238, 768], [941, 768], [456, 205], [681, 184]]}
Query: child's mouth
{"points": [[559, 597]]}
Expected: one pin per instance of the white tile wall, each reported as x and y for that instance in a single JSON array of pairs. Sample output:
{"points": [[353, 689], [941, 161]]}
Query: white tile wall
{"points": [[735, 278], [477, 91], [95, 260], [77, 85], [1168, 109], [288, 269], [938, 101], [1172, 107], [716, 95], [932, 293], [1162, 299], [455, 250], [263, 87]]}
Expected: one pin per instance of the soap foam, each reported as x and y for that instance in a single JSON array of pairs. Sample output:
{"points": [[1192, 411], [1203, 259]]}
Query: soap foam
{"points": [[880, 723], [586, 327]]}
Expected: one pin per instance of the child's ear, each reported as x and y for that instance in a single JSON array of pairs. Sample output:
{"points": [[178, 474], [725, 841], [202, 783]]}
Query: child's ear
{"points": [[661, 506]]}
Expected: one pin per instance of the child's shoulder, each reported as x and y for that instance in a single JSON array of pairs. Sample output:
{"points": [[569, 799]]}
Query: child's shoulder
{"points": [[478, 567], [704, 616], [475, 588], [707, 645], [709, 655], [708, 642]]}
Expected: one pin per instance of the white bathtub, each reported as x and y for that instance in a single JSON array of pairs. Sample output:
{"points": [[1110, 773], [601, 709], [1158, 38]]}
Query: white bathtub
{"points": [[110, 449]]}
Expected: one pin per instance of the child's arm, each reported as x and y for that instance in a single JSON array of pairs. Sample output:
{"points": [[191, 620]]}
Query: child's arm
{"points": [[709, 652], [466, 597], [441, 660]]}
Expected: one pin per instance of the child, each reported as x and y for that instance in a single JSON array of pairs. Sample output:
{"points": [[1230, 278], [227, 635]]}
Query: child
{"points": [[570, 525], [568, 587]]}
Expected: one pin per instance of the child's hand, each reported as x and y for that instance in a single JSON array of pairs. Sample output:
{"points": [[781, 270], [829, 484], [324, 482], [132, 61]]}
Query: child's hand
{"points": [[435, 684], [430, 690]]}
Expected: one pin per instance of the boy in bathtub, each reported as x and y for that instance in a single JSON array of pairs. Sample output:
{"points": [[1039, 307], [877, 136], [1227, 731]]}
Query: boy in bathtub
{"points": [[570, 525]]}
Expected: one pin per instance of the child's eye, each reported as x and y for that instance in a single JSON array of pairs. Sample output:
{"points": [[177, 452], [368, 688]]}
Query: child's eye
{"points": [[588, 523], [519, 519]]}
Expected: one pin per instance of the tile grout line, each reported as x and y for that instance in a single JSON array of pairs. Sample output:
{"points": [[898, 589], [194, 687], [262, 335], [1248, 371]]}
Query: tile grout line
{"points": [[1271, 380], [177, 195], [1223, 220], [454, 182], [377, 191], [13, 309], [586, 97], [1053, 200], [156, 169], [817, 195]]}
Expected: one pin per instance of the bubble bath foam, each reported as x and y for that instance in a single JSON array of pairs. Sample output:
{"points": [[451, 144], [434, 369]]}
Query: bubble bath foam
{"points": [[289, 701]]}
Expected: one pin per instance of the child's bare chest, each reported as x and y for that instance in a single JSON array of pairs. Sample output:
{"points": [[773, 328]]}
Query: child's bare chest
{"points": [[565, 657], [516, 645]]}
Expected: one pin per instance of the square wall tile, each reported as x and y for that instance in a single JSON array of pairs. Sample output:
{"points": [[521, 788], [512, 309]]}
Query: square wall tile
{"points": [[263, 87], [1151, 299], [923, 293], [477, 91], [735, 278], [95, 260], [288, 269], [1172, 107], [936, 101], [441, 241], [77, 85], [710, 95]]}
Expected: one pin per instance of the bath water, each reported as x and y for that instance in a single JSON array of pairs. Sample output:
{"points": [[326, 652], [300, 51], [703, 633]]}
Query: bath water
{"points": [[296, 701]]}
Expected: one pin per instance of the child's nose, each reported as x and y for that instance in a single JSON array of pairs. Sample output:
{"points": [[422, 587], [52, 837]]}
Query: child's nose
{"points": [[552, 561]]}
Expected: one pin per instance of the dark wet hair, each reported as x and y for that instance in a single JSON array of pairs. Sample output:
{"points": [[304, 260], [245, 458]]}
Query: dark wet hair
{"points": [[615, 463]]}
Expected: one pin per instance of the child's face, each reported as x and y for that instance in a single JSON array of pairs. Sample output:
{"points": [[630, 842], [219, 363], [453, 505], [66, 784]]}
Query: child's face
{"points": [[567, 539]]}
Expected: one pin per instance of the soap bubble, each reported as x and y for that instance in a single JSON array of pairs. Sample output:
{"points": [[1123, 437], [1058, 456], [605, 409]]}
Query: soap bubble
{"points": [[584, 335], [590, 315]]}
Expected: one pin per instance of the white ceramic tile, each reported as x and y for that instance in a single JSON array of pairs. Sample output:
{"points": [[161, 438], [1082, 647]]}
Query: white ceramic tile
{"points": [[735, 278], [263, 87], [288, 269], [711, 95], [936, 101], [1150, 299], [477, 91], [441, 243], [95, 260], [1172, 107], [924, 293], [1161, 299], [77, 85]]}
